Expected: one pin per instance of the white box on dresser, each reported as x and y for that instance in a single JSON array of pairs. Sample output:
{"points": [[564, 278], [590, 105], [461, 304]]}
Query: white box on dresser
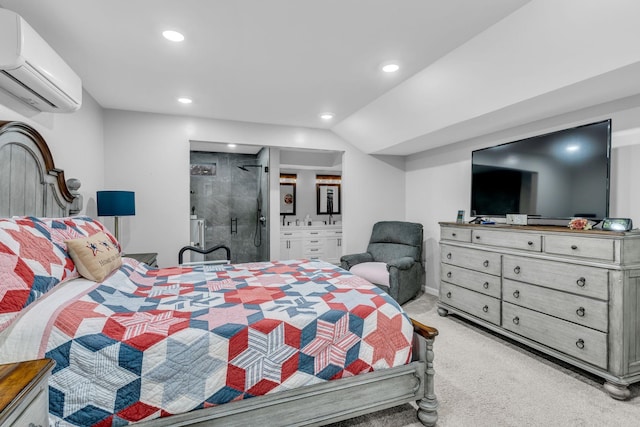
{"points": [[571, 294]]}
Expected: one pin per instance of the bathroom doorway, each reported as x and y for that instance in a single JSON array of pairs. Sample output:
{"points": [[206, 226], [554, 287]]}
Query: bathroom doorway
{"points": [[229, 203]]}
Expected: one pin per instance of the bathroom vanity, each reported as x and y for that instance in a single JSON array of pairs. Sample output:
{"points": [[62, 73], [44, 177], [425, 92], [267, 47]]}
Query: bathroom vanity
{"points": [[316, 241]]}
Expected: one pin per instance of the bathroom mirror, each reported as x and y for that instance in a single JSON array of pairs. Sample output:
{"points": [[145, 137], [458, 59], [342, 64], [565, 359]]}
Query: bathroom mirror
{"points": [[288, 194], [328, 194]]}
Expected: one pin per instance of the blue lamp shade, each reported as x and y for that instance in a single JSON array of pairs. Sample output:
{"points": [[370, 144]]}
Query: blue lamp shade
{"points": [[116, 203]]}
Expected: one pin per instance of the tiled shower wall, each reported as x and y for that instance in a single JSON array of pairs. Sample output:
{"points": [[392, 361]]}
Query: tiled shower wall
{"points": [[231, 194]]}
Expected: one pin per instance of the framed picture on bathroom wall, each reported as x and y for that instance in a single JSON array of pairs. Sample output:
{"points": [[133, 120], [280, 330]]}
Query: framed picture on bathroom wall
{"points": [[328, 194], [288, 194]]}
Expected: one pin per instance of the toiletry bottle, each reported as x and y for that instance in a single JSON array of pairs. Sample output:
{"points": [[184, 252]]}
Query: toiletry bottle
{"points": [[307, 220]]}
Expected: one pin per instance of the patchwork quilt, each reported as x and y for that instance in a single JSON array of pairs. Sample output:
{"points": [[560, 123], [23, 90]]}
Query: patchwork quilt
{"points": [[149, 343], [34, 258]]}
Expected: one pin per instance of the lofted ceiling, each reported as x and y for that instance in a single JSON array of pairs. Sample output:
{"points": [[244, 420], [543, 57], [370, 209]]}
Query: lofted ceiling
{"points": [[284, 62]]}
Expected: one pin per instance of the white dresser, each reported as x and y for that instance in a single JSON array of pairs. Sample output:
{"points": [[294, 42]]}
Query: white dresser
{"points": [[572, 294], [322, 242]]}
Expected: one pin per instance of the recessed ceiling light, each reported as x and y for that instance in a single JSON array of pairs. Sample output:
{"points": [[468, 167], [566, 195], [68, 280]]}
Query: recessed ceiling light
{"points": [[326, 116], [231, 145], [572, 148], [185, 100], [174, 36], [390, 68]]}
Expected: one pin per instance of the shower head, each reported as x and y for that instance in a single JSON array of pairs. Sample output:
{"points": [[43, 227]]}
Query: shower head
{"points": [[244, 167]]}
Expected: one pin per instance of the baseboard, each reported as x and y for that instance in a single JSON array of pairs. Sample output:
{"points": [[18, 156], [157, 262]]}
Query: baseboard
{"points": [[431, 291]]}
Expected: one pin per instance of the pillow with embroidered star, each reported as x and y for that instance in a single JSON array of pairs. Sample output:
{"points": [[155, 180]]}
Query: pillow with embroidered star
{"points": [[95, 256]]}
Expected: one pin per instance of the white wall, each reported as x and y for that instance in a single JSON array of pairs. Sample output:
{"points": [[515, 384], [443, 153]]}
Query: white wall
{"points": [[75, 140], [439, 181], [149, 154], [546, 58]]}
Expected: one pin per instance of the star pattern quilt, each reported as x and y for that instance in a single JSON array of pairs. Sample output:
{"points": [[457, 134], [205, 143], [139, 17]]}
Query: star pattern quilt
{"points": [[149, 343]]}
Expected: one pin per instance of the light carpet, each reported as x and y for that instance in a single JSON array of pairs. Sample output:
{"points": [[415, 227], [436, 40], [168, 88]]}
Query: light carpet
{"points": [[483, 379]]}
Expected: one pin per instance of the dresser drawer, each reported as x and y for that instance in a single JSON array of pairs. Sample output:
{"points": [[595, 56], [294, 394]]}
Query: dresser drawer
{"points": [[575, 340], [583, 247], [475, 259], [578, 279], [457, 234], [484, 283], [312, 242], [479, 305], [582, 310], [311, 252], [313, 233], [290, 234], [507, 239]]}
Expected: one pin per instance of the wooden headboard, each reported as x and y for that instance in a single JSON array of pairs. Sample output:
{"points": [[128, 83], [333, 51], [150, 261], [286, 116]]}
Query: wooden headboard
{"points": [[30, 184]]}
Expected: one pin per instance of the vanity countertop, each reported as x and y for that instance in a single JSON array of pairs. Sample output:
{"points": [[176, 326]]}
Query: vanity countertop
{"points": [[311, 227]]}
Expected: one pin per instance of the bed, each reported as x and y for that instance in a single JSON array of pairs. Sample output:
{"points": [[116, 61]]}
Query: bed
{"points": [[292, 342]]}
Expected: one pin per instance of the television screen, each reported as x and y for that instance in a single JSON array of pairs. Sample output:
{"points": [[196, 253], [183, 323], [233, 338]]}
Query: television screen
{"points": [[562, 174]]}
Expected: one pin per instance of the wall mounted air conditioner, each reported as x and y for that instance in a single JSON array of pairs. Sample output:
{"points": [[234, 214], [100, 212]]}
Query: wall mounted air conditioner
{"points": [[32, 71]]}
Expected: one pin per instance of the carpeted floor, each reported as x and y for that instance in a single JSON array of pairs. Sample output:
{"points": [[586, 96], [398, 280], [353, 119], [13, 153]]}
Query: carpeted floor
{"points": [[483, 379]]}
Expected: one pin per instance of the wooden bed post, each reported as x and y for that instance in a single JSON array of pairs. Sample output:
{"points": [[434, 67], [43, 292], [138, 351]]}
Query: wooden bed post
{"points": [[428, 405]]}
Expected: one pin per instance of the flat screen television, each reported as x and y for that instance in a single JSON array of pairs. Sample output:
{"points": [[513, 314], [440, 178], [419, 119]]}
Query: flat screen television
{"points": [[562, 174]]}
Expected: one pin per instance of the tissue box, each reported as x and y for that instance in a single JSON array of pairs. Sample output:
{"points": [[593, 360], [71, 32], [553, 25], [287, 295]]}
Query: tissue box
{"points": [[517, 219]]}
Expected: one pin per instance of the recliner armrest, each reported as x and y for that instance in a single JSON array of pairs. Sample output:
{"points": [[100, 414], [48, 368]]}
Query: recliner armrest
{"points": [[403, 263], [348, 261]]}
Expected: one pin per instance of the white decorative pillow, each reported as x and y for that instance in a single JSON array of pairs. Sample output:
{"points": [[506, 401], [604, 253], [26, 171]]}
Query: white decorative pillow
{"points": [[95, 256], [374, 272]]}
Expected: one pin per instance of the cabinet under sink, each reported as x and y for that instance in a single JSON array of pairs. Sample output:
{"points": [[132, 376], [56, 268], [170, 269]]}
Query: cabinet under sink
{"points": [[323, 242]]}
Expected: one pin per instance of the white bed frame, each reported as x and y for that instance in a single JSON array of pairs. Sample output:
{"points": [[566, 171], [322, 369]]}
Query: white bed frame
{"points": [[24, 153]]}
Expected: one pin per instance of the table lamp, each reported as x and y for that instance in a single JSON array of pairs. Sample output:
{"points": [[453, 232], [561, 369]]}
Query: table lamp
{"points": [[116, 204]]}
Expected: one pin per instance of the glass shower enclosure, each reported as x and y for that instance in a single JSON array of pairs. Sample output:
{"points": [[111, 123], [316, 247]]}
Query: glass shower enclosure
{"points": [[229, 203]]}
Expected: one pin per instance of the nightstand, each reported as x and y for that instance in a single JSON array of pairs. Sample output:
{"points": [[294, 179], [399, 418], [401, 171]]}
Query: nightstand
{"points": [[149, 258], [24, 393]]}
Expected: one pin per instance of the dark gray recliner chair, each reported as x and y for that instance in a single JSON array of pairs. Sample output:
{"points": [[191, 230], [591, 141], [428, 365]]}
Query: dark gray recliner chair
{"points": [[393, 260]]}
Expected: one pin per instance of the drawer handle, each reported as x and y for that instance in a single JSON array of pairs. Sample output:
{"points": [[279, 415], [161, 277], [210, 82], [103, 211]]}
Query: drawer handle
{"points": [[517, 269], [574, 247], [314, 241], [486, 263], [530, 243], [448, 294], [580, 311], [581, 282], [485, 308], [485, 285], [449, 275], [516, 320], [580, 343], [449, 255], [477, 237], [453, 234], [516, 294]]}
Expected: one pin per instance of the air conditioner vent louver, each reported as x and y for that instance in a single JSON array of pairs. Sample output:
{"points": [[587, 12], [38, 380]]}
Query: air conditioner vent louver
{"points": [[25, 90]]}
